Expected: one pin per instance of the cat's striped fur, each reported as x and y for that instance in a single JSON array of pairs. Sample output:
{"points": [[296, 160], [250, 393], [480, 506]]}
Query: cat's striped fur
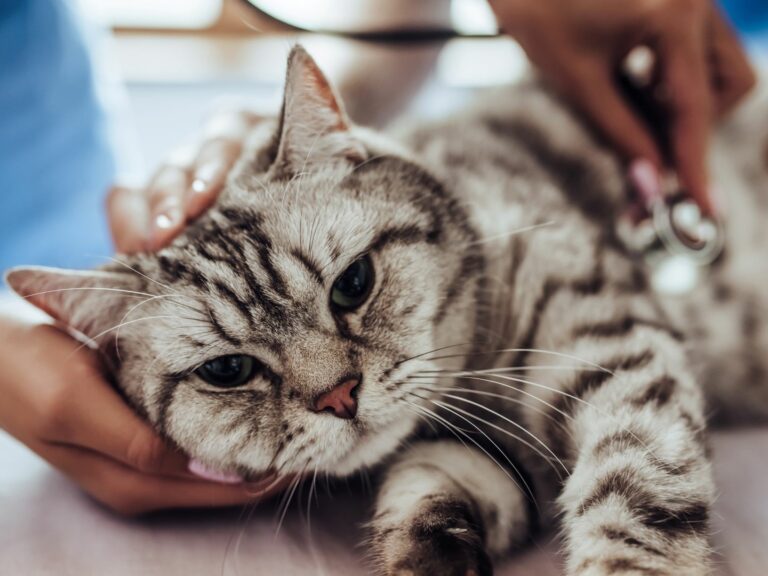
{"points": [[534, 374]]}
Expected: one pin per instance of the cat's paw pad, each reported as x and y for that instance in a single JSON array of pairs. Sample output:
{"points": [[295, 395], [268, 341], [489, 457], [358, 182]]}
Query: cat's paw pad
{"points": [[443, 540]]}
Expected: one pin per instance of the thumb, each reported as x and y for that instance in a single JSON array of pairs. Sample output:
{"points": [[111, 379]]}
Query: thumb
{"points": [[594, 90]]}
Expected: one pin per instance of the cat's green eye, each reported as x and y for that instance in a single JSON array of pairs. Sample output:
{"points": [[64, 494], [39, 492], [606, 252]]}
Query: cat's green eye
{"points": [[228, 371], [354, 285]]}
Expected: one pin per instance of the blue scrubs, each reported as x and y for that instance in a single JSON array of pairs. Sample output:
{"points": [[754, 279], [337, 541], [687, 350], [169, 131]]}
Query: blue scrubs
{"points": [[56, 163], [750, 17]]}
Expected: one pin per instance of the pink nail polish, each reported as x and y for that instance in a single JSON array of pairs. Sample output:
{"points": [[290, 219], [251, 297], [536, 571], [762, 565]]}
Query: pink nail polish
{"points": [[199, 186], [644, 176], [204, 176], [167, 218], [199, 469]]}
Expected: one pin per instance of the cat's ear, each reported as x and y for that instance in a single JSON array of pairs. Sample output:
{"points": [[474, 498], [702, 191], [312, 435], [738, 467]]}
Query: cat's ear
{"points": [[314, 129], [87, 301]]}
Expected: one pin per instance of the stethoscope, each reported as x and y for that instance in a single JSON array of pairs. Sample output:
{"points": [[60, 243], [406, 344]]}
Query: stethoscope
{"points": [[673, 224]]}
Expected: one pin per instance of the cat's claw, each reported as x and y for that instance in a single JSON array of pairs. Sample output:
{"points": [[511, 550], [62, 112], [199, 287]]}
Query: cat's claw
{"points": [[435, 543]]}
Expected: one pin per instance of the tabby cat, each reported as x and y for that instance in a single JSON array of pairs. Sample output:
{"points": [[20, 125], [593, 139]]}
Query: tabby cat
{"points": [[450, 306]]}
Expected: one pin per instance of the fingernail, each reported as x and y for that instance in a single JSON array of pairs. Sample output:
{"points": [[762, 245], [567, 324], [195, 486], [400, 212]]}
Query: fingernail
{"points": [[645, 178], [167, 217], [199, 469], [199, 185], [204, 176]]}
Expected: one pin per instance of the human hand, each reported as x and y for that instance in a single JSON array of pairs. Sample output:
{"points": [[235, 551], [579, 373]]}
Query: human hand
{"points": [[580, 45], [181, 189], [56, 401]]}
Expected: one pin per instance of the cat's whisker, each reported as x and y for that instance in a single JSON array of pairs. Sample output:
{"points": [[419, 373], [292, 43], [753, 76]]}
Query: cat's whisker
{"points": [[171, 291], [514, 369], [505, 235], [133, 293], [128, 313], [502, 417], [422, 417], [504, 397], [503, 385], [529, 382], [139, 273], [466, 434], [290, 493], [249, 509], [451, 425], [527, 489], [503, 430], [309, 500], [422, 354], [92, 341], [528, 350], [430, 416], [184, 304], [525, 381], [363, 163], [463, 374]]}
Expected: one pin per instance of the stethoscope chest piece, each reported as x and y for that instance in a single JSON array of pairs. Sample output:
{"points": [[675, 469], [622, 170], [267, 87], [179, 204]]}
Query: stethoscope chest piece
{"points": [[676, 241], [685, 231]]}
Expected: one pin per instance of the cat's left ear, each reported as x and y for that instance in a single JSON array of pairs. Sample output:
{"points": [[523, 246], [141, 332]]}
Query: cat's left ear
{"points": [[90, 302], [314, 129]]}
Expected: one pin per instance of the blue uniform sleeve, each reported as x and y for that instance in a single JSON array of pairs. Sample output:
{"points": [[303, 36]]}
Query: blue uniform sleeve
{"points": [[55, 158], [750, 18]]}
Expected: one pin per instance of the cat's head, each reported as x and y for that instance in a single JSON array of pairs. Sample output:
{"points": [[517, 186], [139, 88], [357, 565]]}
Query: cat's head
{"points": [[290, 327]]}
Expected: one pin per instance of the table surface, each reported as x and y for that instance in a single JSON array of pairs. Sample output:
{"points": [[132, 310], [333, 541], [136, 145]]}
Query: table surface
{"points": [[47, 526]]}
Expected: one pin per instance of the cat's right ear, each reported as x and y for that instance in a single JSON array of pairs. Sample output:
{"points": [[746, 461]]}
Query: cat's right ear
{"points": [[89, 302], [314, 129]]}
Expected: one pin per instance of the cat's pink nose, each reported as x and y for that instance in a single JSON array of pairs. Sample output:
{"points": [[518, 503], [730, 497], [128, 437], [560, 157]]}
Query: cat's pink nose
{"points": [[341, 401]]}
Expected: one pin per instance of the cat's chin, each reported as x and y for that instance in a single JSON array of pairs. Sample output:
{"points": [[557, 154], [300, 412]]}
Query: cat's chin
{"points": [[373, 446]]}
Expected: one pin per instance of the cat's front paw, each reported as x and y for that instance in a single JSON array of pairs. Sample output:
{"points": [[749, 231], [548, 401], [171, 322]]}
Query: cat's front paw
{"points": [[444, 539]]}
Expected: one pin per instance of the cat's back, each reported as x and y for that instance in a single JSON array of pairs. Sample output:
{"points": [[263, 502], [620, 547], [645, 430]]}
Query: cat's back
{"points": [[518, 156]]}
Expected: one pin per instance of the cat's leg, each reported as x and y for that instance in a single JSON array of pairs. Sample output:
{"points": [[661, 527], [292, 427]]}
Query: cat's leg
{"points": [[638, 498], [445, 508], [632, 433], [610, 390]]}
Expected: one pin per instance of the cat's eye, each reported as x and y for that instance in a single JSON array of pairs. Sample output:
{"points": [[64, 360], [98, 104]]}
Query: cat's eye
{"points": [[228, 371], [354, 285]]}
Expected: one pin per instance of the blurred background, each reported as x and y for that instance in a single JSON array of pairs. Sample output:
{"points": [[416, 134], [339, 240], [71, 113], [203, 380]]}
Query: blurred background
{"points": [[159, 68]]}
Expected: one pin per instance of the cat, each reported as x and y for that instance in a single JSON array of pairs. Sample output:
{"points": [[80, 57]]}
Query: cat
{"points": [[448, 305]]}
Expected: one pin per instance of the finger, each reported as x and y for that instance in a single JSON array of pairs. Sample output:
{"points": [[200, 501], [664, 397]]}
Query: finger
{"points": [[128, 219], [216, 159], [594, 91], [94, 416], [131, 492], [166, 197], [685, 77], [732, 75], [224, 137]]}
